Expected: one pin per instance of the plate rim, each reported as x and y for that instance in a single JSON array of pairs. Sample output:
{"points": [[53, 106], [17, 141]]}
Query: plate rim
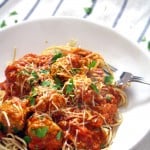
{"points": [[82, 20]]}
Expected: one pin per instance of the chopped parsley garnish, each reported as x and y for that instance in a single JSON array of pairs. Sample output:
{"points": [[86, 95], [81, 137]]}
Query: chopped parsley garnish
{"points": [[108, 97], [88, 10], [70, 87], [34, 75], [15, 21], [27, 139], [34, 92], [59, 135], [16, 130], [32, 97], [46, 83], [32, 100], [55, 57], [44, 71], [92, 64], [2, 127], [40, 132], [58, 83], [102, 146], [74, 71], [13, 13], [34, 78], [148, 45], [94, 88], [109, 79], [24, 72], [3, 24], [143, 39]]}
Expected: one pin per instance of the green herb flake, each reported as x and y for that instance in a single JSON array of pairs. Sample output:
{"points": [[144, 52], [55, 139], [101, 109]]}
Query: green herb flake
{"points": [[92, 64], [102, 146], [109, 79], [15, 21], [59, 135], [3, 24], [34, 75], [32, 100], [33, 78], [94, 88], [74, 71], [2, 127], [55, 57], [148, 45], [24, 72], [27, 139], [46, 83], [70, 87], [108, 97], [34, 92], [143, 39], [44, 71], [32, 97], [16, 130], [40, 132], [58, 83], [13, 13], [88, 10]]}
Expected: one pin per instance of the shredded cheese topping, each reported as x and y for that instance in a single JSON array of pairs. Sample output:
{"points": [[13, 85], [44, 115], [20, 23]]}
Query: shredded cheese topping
{"points": [[60, 97]]}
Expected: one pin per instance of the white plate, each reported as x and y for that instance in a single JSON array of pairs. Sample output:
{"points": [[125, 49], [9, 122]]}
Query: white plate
{"points": [[32, 36]]}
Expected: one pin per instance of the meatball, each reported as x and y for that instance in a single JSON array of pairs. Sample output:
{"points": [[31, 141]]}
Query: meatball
{"points": [[45, 99], [12, 115], [24, 73], [44, 133], [67, 66]]}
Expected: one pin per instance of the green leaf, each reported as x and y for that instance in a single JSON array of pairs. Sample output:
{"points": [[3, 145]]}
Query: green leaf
{"points": [[109, 79], [44, 71], [3, 24], [94, 87], [58, 83], [2, 127], [46, 83], [27, 139], [16, 130], [35, 75], [74, 71], [34, 92], [102, 146], [34, 78], [143, 39], [92, 64], [15, 21], [24, 72], [88, 10], [13, 13], [55, 57], [148, 45], [40, 132], [59, 135], [108, 97], [32, 97], [70, 87], [32, 100]]}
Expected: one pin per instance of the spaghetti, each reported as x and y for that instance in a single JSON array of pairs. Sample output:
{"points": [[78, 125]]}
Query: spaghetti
{"points": [[60, 99]]}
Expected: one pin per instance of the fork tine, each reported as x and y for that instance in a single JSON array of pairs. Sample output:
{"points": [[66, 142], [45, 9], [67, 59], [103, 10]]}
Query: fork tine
{"points": [[140, 81], [122, 78], [112, 68], [137, 77]]}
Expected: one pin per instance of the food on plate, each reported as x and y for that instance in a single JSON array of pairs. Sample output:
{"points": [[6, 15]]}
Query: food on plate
{"points": [[60, 99]]}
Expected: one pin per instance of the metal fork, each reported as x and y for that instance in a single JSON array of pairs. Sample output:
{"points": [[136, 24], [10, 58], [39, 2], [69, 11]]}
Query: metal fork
{"points": [[123, 77]]}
